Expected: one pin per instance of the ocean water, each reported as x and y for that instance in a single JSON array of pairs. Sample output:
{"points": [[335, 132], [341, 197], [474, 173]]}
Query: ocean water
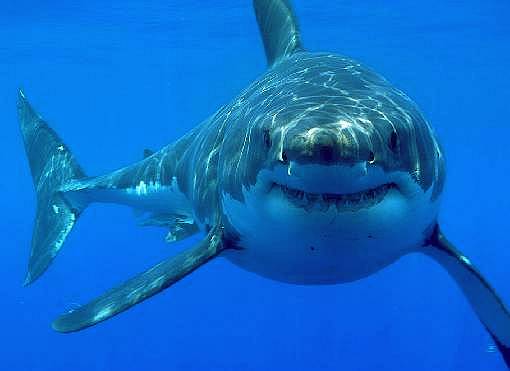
{"points": [[113, 78]]}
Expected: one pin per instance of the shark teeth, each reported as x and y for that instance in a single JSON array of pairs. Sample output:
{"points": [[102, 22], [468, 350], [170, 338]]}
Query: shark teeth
{"points": [[342, 202]]}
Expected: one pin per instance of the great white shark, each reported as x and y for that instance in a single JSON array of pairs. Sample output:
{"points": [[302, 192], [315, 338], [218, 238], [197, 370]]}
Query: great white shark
{"points": [[319, 172]]}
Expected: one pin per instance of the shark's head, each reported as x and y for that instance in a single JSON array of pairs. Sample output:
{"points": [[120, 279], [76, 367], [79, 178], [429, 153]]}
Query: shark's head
{"points": [[337, 170]]}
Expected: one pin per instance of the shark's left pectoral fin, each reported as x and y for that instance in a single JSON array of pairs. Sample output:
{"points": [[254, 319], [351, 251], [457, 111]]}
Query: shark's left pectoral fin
{"points": [[142, 286], [489, 307]]}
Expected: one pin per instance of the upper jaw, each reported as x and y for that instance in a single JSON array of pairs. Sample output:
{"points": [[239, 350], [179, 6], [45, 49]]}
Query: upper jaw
{"points": [[343, 202], [330, 179], [316, 187]]}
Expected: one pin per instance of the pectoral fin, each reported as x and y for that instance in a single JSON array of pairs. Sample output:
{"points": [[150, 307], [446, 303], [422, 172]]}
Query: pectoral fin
{"points": [[142, 286], [489, 307]]}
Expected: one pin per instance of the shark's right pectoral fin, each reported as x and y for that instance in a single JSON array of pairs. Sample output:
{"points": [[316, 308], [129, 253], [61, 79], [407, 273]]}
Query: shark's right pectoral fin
{"points": [[489, 307], [142, 286]]}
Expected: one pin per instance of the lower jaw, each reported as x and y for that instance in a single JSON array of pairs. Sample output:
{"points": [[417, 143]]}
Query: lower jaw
{"points": [[341, 202]]}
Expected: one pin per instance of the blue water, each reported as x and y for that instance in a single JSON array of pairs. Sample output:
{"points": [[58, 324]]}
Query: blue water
{"points": [[116, 77]]}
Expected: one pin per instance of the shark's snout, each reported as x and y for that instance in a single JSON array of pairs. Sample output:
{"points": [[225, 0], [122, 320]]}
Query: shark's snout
{"points": [[327, 146], [331, 179]]}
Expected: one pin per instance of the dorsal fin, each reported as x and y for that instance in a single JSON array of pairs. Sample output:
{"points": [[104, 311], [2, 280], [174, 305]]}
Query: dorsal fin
{"points": [[278, 27]]}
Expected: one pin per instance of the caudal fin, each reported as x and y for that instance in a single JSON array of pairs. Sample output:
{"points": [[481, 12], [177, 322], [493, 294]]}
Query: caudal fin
{"points": [[52, 165]]}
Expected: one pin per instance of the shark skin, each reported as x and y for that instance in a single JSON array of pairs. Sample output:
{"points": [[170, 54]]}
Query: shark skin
{"points": [[319, 172]]}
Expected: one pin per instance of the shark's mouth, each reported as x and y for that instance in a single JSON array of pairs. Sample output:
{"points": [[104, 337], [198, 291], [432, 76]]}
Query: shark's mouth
{"points": [[342, 201]]}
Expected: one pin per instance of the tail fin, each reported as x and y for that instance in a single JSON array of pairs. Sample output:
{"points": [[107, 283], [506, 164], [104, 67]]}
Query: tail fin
{"points": [[52, 165]]}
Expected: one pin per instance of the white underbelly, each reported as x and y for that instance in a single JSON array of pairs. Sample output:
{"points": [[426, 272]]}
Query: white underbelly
{"points": [[288, 244]]}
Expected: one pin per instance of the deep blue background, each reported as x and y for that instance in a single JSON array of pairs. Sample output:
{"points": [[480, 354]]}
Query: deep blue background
{"points": [[116, 77]]}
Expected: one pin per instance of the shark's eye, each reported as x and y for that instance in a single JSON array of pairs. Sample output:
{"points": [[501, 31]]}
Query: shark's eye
{"points": [[393, 141], [285, 159], [371, 157], [267, 138]]}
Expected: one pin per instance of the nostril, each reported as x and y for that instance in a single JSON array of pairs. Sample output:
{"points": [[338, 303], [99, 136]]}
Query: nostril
{"points": [[371, 157], [326, 153]]}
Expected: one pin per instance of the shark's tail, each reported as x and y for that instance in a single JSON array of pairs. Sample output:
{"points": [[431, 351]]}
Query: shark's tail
{"points": [[52, 165]]}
